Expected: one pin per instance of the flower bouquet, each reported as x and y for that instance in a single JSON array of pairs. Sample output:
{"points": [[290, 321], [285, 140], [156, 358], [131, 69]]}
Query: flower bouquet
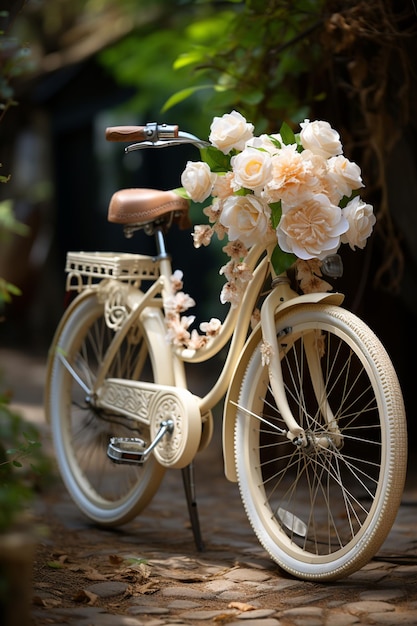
{"points": [[293, 193]]}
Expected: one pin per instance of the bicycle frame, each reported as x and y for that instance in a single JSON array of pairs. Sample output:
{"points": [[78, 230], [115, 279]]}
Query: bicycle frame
{"points": [[235, 327]]}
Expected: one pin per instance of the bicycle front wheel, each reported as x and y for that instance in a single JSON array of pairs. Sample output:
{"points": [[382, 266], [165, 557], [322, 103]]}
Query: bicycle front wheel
{"points": [[107, 493], [322, 510]]}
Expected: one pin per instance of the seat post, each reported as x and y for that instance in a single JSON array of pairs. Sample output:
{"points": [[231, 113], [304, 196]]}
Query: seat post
{"points": [[160, 243]]}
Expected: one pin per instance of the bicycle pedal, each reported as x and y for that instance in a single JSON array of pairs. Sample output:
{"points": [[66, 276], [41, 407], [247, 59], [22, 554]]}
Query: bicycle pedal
{"points": [[133, 450], [127, 450]]}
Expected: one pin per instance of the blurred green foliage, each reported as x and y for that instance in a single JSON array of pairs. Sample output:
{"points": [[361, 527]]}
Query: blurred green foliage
{"points": [[148, 62], [14, 61], [260, 64], [250, 55], [21, 463]]}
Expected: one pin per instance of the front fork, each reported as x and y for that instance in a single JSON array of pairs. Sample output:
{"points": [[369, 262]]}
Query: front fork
{"points": [[283, 297]]}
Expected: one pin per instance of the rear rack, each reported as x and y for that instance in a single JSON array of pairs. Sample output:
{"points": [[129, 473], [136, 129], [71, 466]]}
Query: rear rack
{"points": [[85, 270]]}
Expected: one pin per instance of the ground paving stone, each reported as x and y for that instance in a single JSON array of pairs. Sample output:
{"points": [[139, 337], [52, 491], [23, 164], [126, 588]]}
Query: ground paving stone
{"points": [[384, 595], [220, 585], [247, 575], [187, 592], [269, 621], [199, 615], [256, 614], [369, 606], [237, 595], [307, 599], [303, 611], [396, 619], [183, 604], [334, 618], [234, 566], [108, 589], [147, 610]]}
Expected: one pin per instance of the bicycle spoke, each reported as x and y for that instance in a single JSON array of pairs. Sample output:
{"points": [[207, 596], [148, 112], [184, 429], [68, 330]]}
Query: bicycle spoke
{"points": [[73, 373]]}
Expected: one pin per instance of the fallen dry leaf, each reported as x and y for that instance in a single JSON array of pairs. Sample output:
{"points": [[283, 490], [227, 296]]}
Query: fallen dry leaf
{"points": [[47, 603], [115, 559], [134, 573], [93, 574], [85, 597], [148, 588], [224, 618], [241, 606]]}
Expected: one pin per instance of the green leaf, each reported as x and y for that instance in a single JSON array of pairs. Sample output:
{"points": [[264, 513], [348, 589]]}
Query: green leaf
{"points": [[8, 220], [276, 212], [215, 159], [281, 261], [252, 97], [180, 191], [7, 290], [189, 58], [287, 134], [275, 141], [136, 561], [13, 290], [183, 94], [55, 564]]}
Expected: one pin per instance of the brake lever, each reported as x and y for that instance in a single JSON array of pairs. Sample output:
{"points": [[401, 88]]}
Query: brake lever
{"points": [[183, 138]]}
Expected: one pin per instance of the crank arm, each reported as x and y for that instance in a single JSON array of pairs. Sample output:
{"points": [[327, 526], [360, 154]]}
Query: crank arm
{"points": [[134, 450]]}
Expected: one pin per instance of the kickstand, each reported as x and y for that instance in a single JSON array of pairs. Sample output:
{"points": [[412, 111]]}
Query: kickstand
{"points": [[189, 488]]}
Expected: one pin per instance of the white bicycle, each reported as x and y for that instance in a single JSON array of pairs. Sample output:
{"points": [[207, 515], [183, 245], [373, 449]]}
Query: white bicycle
{"points": [[314, 431]]}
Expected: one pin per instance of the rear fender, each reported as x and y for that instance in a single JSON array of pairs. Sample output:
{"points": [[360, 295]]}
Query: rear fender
{"points": [[151, 318]]}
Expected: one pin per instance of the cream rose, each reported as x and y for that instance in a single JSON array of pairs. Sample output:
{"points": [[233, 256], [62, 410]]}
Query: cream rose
{"points": [[344, 175], [197, 180], [222, 187], [312, 229], [246, 218], [230, 131], [361, 220], [252, 169], [265, 142], [320, 138], [293, 176]]}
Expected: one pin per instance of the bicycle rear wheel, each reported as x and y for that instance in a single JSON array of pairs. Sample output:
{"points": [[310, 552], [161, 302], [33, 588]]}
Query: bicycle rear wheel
{"points": [[322, 511], [109, 494]]}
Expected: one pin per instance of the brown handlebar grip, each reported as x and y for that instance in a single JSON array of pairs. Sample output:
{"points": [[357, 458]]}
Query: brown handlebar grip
{"points": [[151, 131], [126, 133]]}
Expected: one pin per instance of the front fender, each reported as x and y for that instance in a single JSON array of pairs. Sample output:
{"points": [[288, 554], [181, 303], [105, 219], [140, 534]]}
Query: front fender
{"points": [[232, 396]]}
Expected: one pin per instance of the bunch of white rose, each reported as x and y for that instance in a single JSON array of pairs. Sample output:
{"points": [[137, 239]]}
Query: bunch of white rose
{"points": [[294, 192], [276, 190]]}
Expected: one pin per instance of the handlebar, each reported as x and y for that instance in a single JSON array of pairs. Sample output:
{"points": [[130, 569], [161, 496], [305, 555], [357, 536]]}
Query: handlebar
{"points": [[152, 135], [151, 132]]}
